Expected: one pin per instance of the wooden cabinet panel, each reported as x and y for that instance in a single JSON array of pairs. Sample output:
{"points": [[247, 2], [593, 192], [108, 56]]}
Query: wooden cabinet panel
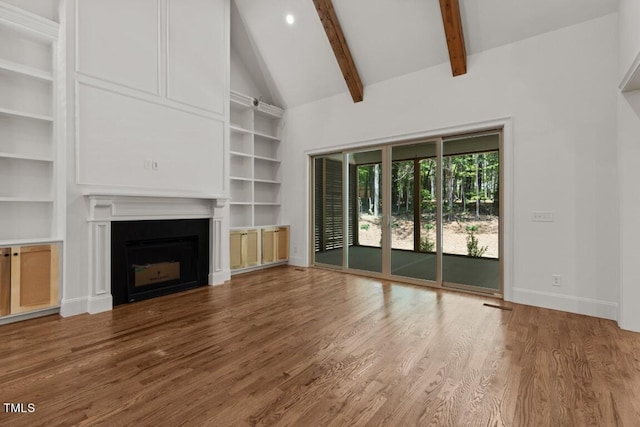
{"points": [[251, 242], [5, 281], [268, 245], [34, 277], [235, 250], [243, 248], [283, 243]]}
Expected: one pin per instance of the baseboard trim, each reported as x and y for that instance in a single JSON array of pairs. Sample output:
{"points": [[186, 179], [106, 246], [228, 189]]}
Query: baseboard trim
{"points": [[571, 304], [219, 278], [298, 261], [74, 306], [100, 304]]}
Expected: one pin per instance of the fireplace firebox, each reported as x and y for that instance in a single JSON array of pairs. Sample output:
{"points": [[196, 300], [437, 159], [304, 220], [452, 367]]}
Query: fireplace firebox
{"points": [[159, 257]]}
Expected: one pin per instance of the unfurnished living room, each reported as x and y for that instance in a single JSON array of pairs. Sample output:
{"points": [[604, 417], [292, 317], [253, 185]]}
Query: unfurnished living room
{"points": [[319, 212]]}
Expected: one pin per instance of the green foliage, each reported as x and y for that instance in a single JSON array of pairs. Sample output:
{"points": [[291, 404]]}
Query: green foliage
{"points": [[426, 244], [473, 249], [364, 226]]}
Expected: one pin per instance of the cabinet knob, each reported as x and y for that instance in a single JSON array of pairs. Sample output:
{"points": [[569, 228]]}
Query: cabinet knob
{"points": [[16, 254], [6, 255]]}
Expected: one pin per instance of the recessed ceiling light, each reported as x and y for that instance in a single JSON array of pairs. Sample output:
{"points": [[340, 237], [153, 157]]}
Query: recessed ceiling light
{"points": [[290, 19]]}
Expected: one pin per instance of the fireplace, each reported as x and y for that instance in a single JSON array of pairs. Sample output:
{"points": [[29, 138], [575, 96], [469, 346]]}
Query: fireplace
{"points": [[157, 257]]}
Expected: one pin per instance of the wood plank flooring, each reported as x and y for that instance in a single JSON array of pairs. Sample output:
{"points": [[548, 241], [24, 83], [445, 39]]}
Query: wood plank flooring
{"points": [[318, 348]]}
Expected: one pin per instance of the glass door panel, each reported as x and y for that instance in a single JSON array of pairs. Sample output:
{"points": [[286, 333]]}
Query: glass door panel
{"points": [[414, 211], [470, 212], [328, 221], [365, 210]]}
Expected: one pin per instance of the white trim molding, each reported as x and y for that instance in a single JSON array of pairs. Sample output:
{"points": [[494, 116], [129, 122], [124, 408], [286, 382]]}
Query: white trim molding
{"points": [[569, 303], [31, 22], [105, 208]]}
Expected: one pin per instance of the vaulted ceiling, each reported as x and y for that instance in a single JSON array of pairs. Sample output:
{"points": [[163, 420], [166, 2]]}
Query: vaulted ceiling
{"points": [[386, 38]]}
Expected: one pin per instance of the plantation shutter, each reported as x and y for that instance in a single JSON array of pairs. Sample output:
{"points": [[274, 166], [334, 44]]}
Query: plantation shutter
{"points": [[333, 204]]}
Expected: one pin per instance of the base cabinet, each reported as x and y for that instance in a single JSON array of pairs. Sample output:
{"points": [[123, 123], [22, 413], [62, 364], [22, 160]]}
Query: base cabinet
{"points": [[258, 247], [29, 278], [275, 244], [243, 250]]}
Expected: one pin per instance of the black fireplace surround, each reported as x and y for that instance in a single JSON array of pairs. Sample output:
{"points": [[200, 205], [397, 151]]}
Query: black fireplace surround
{"points": [[158, 257]]}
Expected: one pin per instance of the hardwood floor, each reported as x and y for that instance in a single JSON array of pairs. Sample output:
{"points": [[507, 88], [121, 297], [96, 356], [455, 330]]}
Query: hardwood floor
{"points": [[312, 347]]}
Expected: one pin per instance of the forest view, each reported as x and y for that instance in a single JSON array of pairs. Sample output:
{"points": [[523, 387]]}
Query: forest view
{"points": [[470, 206]]}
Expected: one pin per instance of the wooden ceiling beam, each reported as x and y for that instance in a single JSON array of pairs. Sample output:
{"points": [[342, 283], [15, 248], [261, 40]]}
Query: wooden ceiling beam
{"points": [[452, 22], [332, 27]]}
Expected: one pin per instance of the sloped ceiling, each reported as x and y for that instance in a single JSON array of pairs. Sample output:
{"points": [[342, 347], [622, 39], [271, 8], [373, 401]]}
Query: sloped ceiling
{"points": [[389, 38]]}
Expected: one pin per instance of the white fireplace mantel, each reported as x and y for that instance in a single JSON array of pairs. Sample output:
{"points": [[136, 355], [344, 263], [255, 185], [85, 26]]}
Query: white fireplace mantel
{"points": [[106, 207]]}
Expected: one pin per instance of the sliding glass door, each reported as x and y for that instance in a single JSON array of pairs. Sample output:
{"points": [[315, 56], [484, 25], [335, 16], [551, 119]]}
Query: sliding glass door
{"points": [[364, 210], [426, 212], [414, 211], [471, 213]]}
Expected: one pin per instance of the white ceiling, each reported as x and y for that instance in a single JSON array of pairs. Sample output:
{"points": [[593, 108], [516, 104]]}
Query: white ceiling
{"points": [[387, 38]]}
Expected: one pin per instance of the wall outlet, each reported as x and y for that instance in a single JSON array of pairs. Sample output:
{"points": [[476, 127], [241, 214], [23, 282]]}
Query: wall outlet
{"points": [[556, 280], [148, 163], [542, 217]]}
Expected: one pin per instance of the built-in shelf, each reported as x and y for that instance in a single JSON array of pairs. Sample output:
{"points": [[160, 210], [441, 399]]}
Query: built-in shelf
{"points": [[25, 70], [239, 129], [264, 135], [14, 113], [240, 154], [32, 181], [255, 161], [26, 199], [266, 159], [25, 157]]}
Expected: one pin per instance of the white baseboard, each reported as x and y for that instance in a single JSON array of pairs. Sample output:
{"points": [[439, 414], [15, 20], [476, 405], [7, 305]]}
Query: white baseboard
{"points": [[74, 306], [219, 278], [572, 304], [100, 304], [298, 261]]}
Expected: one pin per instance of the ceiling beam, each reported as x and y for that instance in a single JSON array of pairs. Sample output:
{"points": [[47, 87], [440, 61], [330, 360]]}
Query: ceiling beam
{"points": [[455, 39], [332, 27]]}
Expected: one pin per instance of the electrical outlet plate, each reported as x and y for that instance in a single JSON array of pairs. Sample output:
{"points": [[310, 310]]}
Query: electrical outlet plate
{"points": [[540, 216], [556, 280]]}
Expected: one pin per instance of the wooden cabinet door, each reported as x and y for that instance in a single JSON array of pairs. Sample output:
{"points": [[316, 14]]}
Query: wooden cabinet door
{"points": [[283, 244], [269, 245], [251, 244], [235, 249], [5, 281], [34, 277]]}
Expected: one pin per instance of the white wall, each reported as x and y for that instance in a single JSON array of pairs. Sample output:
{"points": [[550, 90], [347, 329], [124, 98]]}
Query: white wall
{"points": [[241, 80], [629, 152], [560, 91], [629, 33]]}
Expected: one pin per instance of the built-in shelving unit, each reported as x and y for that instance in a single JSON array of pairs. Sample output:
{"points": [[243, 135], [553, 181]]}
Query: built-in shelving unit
{"points": [[32, 173], [255, 173]]}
